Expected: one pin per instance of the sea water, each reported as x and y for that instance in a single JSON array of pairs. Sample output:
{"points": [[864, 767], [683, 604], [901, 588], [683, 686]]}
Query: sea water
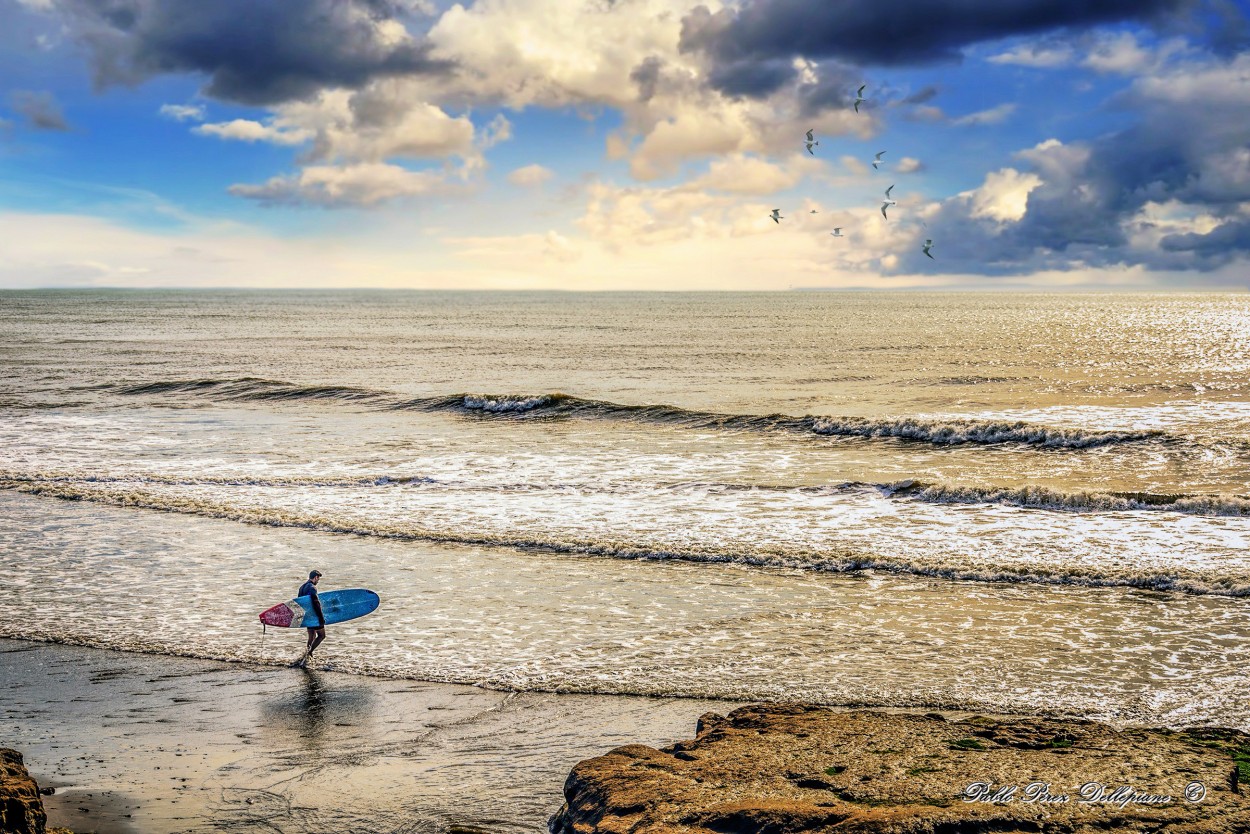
{"points": [[991, 501]]}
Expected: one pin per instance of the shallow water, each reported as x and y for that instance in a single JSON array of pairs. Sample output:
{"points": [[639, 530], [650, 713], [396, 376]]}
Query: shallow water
{"points": [[136, 744], [1005, 502]]}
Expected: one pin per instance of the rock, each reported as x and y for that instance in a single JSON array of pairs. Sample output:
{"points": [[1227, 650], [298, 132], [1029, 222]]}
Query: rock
{"points": [[785, 769], [21, 809]]}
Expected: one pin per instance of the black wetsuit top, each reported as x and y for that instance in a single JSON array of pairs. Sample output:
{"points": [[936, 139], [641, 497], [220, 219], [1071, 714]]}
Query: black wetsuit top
{"points": [[308, 589]]}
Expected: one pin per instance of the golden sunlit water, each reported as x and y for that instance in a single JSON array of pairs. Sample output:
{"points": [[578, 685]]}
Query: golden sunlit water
{"points": [[987, 501]]}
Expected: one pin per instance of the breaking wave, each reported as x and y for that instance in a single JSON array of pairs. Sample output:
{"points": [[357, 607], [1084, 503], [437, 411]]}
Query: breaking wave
{"points": [[938, 431], [1045, 498], [1030, 497], [828, 557]]}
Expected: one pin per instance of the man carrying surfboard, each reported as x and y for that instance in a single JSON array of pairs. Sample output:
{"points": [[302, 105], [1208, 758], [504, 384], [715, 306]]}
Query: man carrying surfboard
{"points": [[315, 633]]}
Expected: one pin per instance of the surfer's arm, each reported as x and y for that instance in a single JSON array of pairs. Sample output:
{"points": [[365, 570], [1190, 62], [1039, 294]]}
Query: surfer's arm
{"points": [[316, 601]]}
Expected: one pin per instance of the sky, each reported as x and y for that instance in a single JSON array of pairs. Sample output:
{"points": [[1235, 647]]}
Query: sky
{"points": [[625, 144]]}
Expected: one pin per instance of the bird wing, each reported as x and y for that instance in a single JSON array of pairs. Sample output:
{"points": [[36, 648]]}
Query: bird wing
{"points": [[887, 192], [861, 90], [883, 214]]}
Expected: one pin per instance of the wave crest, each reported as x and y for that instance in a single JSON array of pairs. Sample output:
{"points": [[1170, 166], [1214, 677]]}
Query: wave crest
{"points": [[944, 431]]}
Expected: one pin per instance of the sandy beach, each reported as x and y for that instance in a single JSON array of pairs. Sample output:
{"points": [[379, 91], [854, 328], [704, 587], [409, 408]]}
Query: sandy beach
{"points": [[143, 743]]}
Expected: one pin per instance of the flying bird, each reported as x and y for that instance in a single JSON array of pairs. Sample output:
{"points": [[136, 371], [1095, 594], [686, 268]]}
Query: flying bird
{"points": [[887, 202], [859, 97], [928, 244], [776, 215], [813, 211], [877, 159], [837, 232]]}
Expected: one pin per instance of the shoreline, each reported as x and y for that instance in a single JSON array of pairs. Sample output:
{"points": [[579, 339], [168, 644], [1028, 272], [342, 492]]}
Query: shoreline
{"points": [[136, 743], [144, 744]]}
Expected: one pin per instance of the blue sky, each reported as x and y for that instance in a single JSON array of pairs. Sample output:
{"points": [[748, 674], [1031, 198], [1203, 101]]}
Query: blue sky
{"points": [[635, 144]]}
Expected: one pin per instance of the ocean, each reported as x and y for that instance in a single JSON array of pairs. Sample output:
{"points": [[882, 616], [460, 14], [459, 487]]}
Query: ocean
{"points": [[988, 501]]}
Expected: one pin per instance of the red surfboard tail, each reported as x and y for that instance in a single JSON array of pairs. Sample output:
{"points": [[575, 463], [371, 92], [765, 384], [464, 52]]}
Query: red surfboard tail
{"points": [[280, 616]]}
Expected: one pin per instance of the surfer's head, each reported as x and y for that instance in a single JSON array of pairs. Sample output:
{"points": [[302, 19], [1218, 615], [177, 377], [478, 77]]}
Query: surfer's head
{"points": [[313, 576]]}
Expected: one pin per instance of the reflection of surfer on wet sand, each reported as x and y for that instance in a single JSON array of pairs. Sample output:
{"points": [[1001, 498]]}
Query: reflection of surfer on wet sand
{"points": [[311, 705]]}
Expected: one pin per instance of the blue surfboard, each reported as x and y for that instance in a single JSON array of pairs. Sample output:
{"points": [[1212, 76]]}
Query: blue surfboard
{"points": [[338, 607]]}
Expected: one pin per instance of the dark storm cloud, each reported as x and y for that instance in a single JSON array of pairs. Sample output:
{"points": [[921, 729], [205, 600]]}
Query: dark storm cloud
{"points": [[891, 32], [40, 110], [752, 79], [1215, 248], [253, 51], [1092, 196]]}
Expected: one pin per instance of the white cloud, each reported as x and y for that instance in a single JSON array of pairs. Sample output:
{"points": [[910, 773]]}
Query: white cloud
{"points": [[1123, 54], [1056, 161], [1003, 196], [362, 184], [594, 53], [743, 174], [353, 137], [690, 134], [387, 119], [554, 53], [499, 130], [1039, 56], [1158, 220], [909, 165], [992, 116], [246, 130], [183, 112], [1198, 85], [531, 176]]}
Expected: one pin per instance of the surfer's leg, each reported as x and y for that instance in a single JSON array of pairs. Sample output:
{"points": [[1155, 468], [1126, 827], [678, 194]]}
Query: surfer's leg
{"points": [[315, 636]]}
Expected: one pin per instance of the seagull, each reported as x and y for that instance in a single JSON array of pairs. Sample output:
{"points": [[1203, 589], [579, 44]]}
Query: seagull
{"points": [[877, 159], [837, 232], [776, 215], [928, 244], [813, 211], [859, 97], [887, 202]]}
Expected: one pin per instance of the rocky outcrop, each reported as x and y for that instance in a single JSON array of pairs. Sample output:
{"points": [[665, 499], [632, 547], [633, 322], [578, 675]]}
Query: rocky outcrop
{"points": [[790, 768], [21, 810]]}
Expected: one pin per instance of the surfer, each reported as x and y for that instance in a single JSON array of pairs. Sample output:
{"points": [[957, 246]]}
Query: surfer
{"points": [[317, 633]]}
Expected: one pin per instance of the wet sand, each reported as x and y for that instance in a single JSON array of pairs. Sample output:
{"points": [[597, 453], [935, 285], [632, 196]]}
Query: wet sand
{"points": [[147, 744]]}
